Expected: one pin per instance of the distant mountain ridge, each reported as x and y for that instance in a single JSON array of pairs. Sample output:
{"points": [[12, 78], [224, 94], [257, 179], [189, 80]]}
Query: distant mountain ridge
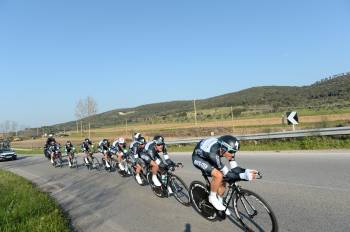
{"points": [[333, 91]]}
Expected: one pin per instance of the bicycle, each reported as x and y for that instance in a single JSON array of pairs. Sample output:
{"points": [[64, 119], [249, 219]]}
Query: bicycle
{"points": [[57, 159], [177, 185], [72, 161], [143, 172], [247, 205], [93, 164], [112, 164]]}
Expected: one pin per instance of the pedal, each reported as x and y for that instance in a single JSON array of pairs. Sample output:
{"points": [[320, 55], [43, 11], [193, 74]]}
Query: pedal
{"points": [[221, 215]]}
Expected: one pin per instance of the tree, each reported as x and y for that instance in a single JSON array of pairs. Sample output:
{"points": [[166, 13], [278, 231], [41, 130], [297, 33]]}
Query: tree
{"points": [[80, 114], [85, 108]]}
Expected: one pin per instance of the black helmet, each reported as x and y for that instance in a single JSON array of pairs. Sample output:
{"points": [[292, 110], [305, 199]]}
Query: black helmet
{"points": [[141, 140], [159, 140], [88, 141], [105, 142], [229, 143]]}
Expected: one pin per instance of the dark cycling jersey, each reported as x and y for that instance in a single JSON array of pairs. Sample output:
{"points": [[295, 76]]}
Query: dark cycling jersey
{"points": [[53, 148], [69, 148], [150, 153], [85, 146], [206, 157], [103, 147]]}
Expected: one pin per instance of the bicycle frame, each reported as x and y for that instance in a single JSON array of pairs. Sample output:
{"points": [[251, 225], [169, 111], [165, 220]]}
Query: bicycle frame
{"points": [[233, 188]]}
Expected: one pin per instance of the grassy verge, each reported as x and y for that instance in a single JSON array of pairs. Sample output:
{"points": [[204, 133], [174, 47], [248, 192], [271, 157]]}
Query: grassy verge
{"points": [[307, 143], [24, 208], [34, 151]]}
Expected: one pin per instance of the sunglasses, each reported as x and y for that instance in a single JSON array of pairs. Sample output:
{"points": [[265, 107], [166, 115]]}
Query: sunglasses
{"points": [[159, 145], [231, 151]]}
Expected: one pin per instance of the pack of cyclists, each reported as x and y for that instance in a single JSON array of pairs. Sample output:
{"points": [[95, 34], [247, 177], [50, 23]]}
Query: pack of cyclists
{"points": [[207, 157]]}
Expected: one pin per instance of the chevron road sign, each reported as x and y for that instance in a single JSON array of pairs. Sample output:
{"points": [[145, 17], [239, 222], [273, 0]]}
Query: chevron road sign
{"points": [[292, 118]]}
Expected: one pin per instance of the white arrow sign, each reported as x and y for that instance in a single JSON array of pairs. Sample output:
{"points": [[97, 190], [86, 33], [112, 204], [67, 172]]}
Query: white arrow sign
{"points": [[291, 118]]}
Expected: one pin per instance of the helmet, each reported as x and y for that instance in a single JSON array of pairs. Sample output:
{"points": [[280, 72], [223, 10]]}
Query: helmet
{"points": [[229, 143], [121, 140], [50, 135], [137, 136], [88, 141], [105, 142], [68, 142], [141, 140], [159, 140]]}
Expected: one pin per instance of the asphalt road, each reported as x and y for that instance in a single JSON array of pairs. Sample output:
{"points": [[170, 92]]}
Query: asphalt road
{"points": [[308, 191]]}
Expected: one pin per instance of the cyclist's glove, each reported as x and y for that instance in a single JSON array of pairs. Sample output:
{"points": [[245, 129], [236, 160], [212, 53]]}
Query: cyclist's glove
{"points": [[246, 175]]}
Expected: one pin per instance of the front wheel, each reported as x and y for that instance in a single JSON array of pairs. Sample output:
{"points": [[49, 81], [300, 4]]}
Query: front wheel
{"points": [[180, 190], [253, 212], [199, 195]]}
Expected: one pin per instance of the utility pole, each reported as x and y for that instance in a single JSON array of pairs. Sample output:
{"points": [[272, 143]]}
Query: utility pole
{"points": [[81, 128], [126, 127], [77, 127], [89, 130], [233, 127], [195, 112]]}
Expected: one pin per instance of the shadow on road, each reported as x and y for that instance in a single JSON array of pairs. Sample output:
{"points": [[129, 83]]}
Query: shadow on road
{"points": [[187, 228]]}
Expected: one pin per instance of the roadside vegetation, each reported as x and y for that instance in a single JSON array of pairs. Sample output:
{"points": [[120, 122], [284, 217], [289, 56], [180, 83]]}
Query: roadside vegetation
{"points": [[24, 208], [307, 143]]}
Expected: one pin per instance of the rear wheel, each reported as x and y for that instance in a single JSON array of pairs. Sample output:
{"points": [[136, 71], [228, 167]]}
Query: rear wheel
{"points": [[158, 191], [180, 190], [199, 194], [253, 212], [96, 163]]}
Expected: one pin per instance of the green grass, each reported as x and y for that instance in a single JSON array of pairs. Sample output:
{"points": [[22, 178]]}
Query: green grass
{"points": [[307, 143], [34, 151], [24, 208]]}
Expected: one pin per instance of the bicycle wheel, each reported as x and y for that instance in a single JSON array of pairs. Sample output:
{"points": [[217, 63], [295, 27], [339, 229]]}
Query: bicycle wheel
{"points": [[96, 164], [158, 191], [253, 212], [180, 190], [75, 162], [199, 197]]}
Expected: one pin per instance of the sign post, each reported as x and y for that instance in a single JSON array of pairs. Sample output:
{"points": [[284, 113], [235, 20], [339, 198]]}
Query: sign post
{"points": [[292, 119]]}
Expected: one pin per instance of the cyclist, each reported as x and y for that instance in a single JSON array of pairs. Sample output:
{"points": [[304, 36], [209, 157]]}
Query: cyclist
{"points": [[70, 150], [47, 145], [207, 157], [54, 151], [119, 149], [103, 147], [86, 147], [152, 158], [136, 150], [135, 139]]}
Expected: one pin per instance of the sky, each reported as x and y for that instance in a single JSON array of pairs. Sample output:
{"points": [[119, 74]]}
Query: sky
{"points": [[129, 53]]}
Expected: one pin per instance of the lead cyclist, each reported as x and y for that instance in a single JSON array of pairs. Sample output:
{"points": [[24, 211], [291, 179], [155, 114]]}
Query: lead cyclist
{"points": [[207, 158]]}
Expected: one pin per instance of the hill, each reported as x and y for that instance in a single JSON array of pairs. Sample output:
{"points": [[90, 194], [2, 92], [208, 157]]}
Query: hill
{"points": [[329, 92]]}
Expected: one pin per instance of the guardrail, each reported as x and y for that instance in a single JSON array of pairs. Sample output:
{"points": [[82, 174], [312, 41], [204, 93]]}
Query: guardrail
{"points": [[278, 135]]}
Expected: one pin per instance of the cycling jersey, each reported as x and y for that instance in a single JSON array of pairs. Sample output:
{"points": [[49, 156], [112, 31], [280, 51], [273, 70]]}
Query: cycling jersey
{"points": [[103, 147], [150, 153], [85, 146], [206, 156], [69, 148]]}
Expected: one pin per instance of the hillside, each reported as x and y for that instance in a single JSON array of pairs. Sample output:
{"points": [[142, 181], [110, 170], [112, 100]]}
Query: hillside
{"points": [[329, 92]]}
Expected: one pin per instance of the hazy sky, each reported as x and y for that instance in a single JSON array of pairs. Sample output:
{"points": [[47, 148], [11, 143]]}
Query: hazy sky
{"points": [[128, 53]]}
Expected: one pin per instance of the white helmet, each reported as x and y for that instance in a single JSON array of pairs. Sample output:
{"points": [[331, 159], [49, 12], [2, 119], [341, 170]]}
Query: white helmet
{"points": [[137, 136], [121, 140]]}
